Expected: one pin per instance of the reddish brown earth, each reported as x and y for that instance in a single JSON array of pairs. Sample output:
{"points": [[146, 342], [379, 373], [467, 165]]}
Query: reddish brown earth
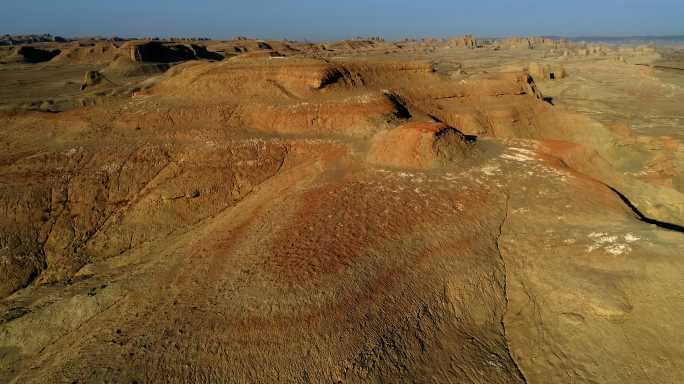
{"points": [[339, 212]]}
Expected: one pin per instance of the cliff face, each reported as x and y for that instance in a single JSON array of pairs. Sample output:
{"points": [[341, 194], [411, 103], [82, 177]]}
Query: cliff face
{"points": [[30, 55], [467, 41]]}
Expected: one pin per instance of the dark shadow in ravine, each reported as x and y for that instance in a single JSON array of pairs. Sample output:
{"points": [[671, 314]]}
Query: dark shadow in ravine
{"points": [[642, 217]]}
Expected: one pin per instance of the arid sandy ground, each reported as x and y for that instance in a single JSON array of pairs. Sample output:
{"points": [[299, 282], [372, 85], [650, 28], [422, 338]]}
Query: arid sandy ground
{"points": [[356, 211]]}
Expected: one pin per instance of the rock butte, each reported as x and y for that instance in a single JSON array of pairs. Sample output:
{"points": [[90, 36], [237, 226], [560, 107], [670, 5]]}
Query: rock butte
{"points": [[436, 210]]}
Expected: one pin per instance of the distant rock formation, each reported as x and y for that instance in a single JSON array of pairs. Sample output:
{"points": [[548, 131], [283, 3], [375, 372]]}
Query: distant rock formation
{"points": [[546, 71], [531, 42], [467, 41], [100, 52], [29, 54], [154, 51], [30, 39]]}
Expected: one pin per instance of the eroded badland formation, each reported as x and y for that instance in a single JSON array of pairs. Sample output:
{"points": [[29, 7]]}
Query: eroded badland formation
{"points": [[448, 211]]}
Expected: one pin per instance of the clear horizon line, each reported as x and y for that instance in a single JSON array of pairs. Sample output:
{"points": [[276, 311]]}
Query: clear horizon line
{"points": [[553, 36]]}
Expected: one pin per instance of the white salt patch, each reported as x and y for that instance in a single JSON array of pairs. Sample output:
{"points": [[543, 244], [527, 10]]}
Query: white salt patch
{"points": [[522, 150], [516, 157], [630, 238], [609, 243], [618, 249]]}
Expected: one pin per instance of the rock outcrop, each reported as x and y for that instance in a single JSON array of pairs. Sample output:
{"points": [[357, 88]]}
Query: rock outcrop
{"points": [[418, 146], [546, 71], [29, 54], [467, 41], [91, 78]]}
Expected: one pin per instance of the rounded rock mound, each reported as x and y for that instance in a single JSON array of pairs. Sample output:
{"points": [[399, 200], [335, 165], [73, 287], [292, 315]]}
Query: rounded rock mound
{"points": [[421, 145]]}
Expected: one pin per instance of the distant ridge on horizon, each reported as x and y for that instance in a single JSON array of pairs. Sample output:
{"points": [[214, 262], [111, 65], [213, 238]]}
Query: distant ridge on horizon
{"points": [[621, 38], [46, 37]]}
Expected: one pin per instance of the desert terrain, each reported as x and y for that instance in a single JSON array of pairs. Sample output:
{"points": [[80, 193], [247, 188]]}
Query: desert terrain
{"points": [[453, 210]]}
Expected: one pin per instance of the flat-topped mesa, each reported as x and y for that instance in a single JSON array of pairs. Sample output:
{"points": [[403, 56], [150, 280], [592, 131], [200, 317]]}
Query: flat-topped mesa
{"points": [[355, 45], [286, 79], [467, 41], [281, 96], [418, 146], [531, 42], [355, 116], [489, 104], [503, 84], [107, 51], [29, 54], [101, 52], [385, 73], [477, 88], [229, 48], [155, 51]]}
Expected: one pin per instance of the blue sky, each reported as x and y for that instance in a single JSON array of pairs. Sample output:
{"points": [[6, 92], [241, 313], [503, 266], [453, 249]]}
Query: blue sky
{"points": [[320, 20]]}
